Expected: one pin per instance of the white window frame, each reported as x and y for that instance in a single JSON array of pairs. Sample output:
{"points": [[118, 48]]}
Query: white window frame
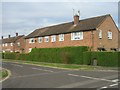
{"points": [[18, 43], [53, 38], [3, 44], [100, 34], [30, 49], [6, 44], [109, 35], [61, 37], [46, 39], [30, 40], [40, 38], [11, 44], [77, 36]]}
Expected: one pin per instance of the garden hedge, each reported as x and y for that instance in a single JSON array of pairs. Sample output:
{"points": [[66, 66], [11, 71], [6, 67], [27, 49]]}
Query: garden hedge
{"points": [[103, 58], [68, 55]]}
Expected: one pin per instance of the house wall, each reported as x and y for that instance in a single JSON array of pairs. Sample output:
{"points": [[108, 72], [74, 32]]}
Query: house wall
{"points": [[87, 41], [107, 25], [8, 48], [119, 41], [20, 48], [15, 47], [91, 38]]}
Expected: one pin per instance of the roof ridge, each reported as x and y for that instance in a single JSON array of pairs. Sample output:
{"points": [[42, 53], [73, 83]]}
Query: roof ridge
{"points": [[73, 21], [13, 37], [96, 17], [84, 24]]}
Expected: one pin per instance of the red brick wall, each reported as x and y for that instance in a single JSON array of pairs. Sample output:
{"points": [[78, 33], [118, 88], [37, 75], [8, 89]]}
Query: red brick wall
{"points": [[8, 47], [87, 41], [20, 48], [15, 47], [107, 25]]}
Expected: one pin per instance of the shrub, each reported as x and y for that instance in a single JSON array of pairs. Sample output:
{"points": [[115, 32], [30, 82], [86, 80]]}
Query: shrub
{"points": [[68, 55], [103, 58]]}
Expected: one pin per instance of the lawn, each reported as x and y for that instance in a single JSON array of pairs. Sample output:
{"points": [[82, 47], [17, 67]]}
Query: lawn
{"points": [[3, 73], [58, 65]]}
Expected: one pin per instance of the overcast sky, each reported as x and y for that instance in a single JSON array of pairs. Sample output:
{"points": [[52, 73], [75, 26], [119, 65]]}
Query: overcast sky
{"points": [[25, 17]]}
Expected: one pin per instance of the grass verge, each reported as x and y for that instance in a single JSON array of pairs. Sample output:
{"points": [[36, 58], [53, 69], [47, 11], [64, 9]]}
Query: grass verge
{"points": [[61, 66], [3, 73]]}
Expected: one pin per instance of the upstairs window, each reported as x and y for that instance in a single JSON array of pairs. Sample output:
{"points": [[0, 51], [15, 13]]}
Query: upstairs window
{"points": [[53, 38], [3, 45], [31, 40], [18, 43], [61, 37], [100, 34], [46, 38], [77, 36], [11, 44], [6, 44], [109, 35], [40, 39]]}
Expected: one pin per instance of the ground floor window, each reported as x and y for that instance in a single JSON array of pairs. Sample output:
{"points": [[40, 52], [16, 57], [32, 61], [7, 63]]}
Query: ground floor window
{"points": [[101, 49], [30, 49]]}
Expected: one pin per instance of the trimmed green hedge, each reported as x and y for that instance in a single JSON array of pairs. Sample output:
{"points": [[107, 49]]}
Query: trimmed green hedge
{"points": [[68, 55], [103, 58]]}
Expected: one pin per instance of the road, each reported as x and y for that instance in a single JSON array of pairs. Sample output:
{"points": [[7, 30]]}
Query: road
{"points": [[31, 76]]}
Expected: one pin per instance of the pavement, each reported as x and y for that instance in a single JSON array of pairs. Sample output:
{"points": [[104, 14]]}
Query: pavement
{"points": [[31, 76]]}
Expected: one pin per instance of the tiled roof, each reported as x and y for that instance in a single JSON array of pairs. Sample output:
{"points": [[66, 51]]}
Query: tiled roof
{"points": [[83, 25], [11, 39]]}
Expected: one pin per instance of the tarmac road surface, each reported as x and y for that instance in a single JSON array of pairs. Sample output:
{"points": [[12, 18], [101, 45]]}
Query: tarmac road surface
{"points": [[31, 76]]}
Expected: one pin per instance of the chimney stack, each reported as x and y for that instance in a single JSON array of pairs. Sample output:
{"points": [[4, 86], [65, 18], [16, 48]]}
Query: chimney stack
{"points": [[76, 19], [76, 15], [16, 34], [2, 37], [8, 36]]}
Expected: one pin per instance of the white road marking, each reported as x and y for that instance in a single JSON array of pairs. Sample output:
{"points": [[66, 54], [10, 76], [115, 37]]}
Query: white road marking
{"points": [[17, 65], [43, 69], [116, 80], [90, 77], [104, 87], [113, 85]]}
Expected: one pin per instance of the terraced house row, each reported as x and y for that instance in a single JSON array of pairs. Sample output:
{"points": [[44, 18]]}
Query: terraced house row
{"points": [[99, 33]]}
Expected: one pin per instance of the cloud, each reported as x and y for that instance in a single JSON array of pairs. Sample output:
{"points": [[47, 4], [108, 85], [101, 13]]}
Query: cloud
{"points": [[25, 17]]}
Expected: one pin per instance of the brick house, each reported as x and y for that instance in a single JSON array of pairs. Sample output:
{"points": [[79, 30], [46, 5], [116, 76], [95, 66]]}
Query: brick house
{"points": [[13, 44], [99, 33], [119, 41]]}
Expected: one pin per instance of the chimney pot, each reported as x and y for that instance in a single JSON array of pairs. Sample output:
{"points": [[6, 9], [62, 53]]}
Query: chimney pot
{"points": [[2, 37], [16, 34], [8, 36], [76, 19]]}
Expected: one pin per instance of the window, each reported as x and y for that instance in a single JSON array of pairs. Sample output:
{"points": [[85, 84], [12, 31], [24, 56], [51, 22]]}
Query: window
{"points": [[3, 45], [30, 49], [11, 44], [46, 38], [31, 40], [77, 36], [100, 34], [109, 35], [40, 39], [3, 51], [53, 38], [61, 37], [6, 44], [18, 43]]}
